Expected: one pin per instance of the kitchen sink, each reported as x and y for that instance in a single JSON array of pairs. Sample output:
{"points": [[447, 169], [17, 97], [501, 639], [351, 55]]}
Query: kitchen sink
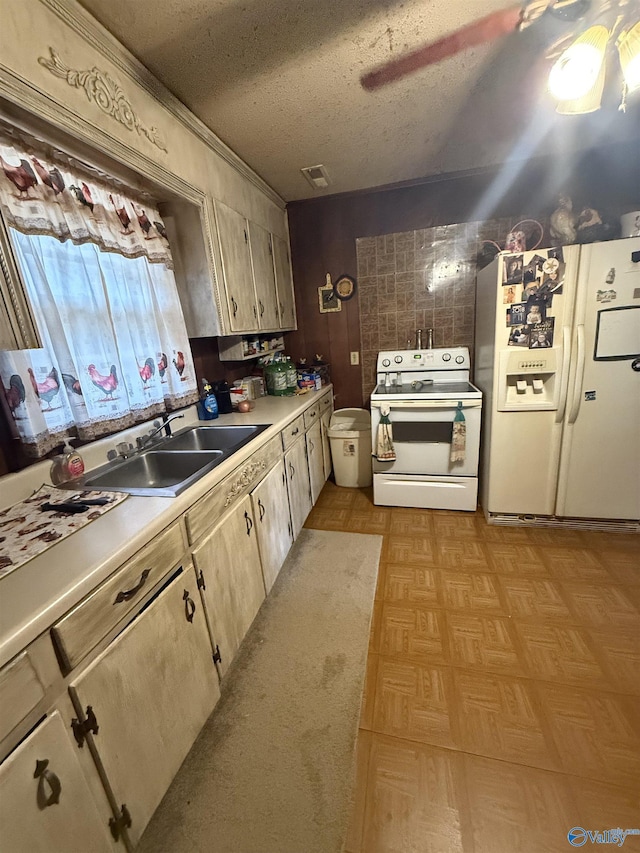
{"points": [[155, 472], [173, 464], [212, 437]]}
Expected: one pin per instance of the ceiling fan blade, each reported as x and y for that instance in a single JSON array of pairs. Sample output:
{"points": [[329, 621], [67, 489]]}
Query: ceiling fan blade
{"points": [[480, 31]]}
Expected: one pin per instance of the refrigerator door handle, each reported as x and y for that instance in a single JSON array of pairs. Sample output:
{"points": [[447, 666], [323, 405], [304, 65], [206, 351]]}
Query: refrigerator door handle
{"points": [[577, 383], [564, 375]]}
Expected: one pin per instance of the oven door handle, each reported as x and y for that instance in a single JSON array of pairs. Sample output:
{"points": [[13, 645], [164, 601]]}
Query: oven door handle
{"points": [[430, 404]]}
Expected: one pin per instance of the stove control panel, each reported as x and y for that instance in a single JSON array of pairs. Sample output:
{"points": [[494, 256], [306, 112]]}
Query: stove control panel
{"points": [[454, 358]]}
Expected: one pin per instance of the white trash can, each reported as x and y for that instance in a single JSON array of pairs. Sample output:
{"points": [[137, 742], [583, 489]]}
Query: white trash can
{"points": [[350, 438]]}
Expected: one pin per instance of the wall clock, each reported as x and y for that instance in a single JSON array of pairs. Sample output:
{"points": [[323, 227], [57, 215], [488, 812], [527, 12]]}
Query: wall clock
{"points": [[345, 287]]}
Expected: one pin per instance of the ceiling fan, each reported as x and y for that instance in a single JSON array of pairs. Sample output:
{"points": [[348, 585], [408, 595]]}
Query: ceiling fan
{"points": [[607, 18]]}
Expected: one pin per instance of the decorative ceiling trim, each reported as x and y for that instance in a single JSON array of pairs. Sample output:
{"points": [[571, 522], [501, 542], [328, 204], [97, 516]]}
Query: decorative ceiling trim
{"points": [[103, 90], [89, 29]]}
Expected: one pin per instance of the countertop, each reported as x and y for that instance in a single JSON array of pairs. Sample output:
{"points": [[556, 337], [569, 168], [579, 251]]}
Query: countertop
{"points": [[37, 594]]}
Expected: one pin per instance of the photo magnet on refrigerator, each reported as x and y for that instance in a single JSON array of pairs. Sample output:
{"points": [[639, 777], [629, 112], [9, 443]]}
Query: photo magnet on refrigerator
{"points": [[513, 266], [542, 334], [516, 314], [519, 336]]}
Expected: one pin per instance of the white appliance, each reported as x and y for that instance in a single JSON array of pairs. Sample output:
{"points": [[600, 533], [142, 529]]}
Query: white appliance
{"points": [[561, 437], [423, 390]]}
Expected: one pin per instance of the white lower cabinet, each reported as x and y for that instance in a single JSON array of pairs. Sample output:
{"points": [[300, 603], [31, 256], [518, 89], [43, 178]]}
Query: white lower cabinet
{"points": [[45, 805], [316, 460], [326, 444], [270, 503], [230, 578], [295, 460], [151, 692]]}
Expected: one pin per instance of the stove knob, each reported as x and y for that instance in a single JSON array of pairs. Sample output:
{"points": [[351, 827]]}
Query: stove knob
{"points": [[446, 356], [385, 362], [398, 359], [459, 359]]}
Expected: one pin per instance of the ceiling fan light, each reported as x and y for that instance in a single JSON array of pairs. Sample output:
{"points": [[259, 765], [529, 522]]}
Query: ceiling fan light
{"points": [[587, 103], [629, 50], [576, 72]]}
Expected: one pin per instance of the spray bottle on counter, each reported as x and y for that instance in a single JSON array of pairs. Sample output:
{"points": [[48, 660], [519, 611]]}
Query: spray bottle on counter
{"points": [[68, 465]]}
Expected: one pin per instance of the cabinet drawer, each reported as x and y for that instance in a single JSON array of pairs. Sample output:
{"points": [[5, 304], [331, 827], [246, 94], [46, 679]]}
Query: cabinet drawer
{"points": [[205, 514], [292, 431], [20, 692], [325, 402], [83, 627], [312, 414]]}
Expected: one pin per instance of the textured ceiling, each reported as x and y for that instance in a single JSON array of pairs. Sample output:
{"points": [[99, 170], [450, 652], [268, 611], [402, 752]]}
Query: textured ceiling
{"points": [[278, 81]]}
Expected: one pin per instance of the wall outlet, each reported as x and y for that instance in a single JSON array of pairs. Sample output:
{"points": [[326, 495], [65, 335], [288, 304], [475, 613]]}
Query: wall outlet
{"points": [[355, 358]]}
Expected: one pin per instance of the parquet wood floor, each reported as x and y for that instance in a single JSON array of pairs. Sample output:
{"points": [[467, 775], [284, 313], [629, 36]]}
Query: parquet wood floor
{"points": [[502, 696]]}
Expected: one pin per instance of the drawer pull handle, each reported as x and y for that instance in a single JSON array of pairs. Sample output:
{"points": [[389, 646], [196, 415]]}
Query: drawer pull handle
{"points": [[234, 305], [261, 508], [189, 606], [128, 594], [249, 522], [46, 778], [295, 431]]}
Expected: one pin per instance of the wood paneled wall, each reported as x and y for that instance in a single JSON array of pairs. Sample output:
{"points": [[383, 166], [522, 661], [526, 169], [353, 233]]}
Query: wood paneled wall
{"points": [[323, 232]]}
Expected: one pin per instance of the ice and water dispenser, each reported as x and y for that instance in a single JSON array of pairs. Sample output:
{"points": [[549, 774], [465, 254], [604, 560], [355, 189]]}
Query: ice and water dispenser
{"points": [[527, 380]]}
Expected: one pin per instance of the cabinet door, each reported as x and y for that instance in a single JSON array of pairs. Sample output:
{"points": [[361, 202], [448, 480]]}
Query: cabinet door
{"points": [[299, 486], [326, 444], [238, 274], [45, 804], [316, 462], [151, 692], [270, 501], [233, 586], [284, 283], [264, 277]]}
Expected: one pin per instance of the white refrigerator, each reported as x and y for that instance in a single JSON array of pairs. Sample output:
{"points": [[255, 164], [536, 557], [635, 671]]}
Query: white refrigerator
{"points": [[558, 361]]}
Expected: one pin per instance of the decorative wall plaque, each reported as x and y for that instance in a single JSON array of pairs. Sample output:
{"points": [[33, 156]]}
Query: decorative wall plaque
{"points": [[103, 90]]}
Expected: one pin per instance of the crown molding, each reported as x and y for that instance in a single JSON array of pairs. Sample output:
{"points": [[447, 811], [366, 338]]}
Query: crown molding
{"points": [[92, 32]]}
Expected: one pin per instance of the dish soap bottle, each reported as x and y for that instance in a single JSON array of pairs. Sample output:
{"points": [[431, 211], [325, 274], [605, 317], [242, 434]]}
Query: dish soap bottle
{"points": [[207, 405], [68, 465]]}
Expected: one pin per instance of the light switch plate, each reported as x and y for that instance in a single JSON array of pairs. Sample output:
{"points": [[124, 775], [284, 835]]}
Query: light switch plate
{"points": [[355, 358]]}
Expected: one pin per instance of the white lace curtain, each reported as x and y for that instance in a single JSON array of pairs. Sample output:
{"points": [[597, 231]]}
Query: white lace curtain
{"points": [[115, 348]]}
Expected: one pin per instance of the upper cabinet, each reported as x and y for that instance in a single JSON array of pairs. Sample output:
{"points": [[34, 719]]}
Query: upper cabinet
{"points": [[239, 292], [284, 283], [256, 285], [264, 278]]}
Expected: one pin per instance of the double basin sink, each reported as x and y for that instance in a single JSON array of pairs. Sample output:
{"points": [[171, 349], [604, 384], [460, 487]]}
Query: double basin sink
{"points": [[174, 463]]}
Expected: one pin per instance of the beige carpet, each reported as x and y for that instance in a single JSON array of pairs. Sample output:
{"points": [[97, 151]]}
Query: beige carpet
{"points": [[273, 769]]}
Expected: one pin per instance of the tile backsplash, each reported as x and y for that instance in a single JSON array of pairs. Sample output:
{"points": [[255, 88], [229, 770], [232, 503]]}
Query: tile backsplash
{"points": [[420, 280]]}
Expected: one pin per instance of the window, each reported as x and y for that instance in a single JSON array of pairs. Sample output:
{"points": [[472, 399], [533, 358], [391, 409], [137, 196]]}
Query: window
{"points": [[97, 269]]}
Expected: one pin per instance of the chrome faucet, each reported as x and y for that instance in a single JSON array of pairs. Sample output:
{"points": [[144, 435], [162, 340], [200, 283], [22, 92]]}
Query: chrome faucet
{"points": [[143, 440]]}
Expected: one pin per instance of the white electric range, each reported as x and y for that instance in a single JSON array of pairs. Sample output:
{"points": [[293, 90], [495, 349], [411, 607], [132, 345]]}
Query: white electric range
{"points": [[422, 391]]}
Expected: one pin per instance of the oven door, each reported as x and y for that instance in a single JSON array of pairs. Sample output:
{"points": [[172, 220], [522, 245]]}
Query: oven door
{"points": [[422, 432]]}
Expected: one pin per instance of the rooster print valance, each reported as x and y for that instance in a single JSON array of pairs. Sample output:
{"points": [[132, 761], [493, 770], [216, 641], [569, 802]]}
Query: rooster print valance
{"points": [[97, 270], [43, 195]]}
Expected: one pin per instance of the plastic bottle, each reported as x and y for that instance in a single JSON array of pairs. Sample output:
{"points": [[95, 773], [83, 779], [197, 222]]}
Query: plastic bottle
{"points": [[207, 405], [68, 465], [292, 375], [276, 376]]}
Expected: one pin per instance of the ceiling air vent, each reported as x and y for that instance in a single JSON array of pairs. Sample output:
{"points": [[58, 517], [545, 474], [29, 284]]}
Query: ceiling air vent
{"points": [[317, 176]]}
